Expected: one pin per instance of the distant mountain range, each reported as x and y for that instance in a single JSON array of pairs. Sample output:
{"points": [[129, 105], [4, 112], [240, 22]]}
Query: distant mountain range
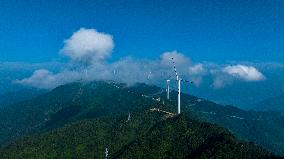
{"points": [[271, 104], [82, 119], [10, 98]]}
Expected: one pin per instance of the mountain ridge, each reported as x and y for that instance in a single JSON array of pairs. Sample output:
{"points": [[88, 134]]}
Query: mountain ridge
{"points": [[79, 101]]}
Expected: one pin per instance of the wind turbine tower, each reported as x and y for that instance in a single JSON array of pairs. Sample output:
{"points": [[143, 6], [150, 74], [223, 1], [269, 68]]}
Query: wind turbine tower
{"points": [[128, 119], [106, 153], [178, 81], [168, 89]]}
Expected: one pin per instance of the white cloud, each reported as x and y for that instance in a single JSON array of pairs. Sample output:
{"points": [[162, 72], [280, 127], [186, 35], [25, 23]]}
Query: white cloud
{"points": [[247, 73], [45, 79], [226, 75], [88, 45], [196, 73], [128, 70], [196, 69], [218, 83], [178, 58], [220, 79], [131, 70], [185, 67]]}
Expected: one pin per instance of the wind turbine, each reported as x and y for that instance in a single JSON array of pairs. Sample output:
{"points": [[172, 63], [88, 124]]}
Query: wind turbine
{"points": [[178, 81], [106, 153], [128, 119], [168, 89]]}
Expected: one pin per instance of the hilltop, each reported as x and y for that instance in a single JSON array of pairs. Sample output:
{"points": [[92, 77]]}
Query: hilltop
{"points": [[74, 103]]}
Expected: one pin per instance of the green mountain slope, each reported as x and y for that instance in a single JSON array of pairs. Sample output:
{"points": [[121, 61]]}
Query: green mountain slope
{"points": [[66, 104], [148, 134], [77, 101], [181, 137], [264, 128]]}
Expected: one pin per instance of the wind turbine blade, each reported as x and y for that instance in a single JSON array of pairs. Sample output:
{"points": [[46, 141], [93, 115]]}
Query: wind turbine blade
{"points": [[175, 69]]}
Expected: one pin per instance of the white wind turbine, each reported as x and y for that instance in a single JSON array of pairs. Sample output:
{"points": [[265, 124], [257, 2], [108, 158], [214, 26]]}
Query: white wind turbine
{"points": [[178, 81], [168, 89], [106, 153], [128, 119]]}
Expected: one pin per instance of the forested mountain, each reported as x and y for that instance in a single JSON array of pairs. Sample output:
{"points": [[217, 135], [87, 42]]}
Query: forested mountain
{"points": [[271, 104], [264, 128], [182, 137], [65, 104], [53, 117], [148, 134]]}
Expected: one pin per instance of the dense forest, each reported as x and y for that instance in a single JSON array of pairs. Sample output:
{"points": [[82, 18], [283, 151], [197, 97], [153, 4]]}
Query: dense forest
{"points": [[81, 120], [149, 134]]}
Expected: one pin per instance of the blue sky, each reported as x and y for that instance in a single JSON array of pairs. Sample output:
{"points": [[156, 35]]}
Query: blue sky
{"points": [[232, 50], [217, 31]]}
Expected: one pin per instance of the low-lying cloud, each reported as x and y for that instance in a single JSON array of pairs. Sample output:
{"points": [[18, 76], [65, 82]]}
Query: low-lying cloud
{"points": [[227, 75], [89, 50], [45, 79], [248, 73]]}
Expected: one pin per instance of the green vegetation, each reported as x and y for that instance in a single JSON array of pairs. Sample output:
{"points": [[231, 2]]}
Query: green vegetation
{"points": [[181, 137], [83, 139], [81, 119], [147, 135], [263, 128], [66, 104]]}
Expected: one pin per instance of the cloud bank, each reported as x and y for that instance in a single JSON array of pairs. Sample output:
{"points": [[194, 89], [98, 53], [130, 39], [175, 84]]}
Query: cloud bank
{"points": [[89, 50]]}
